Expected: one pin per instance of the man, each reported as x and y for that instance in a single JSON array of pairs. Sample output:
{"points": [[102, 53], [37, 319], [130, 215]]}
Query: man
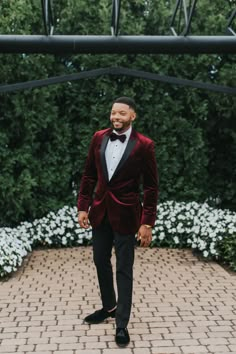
{"points": [[119, 162]]}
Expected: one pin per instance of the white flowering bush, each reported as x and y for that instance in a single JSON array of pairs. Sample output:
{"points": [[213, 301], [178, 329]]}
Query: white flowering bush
{"points": [[207, 230], [14, 246], [194, 225], [60, 229], [55, 230]]}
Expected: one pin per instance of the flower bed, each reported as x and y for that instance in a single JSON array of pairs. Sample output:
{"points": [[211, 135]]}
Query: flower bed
{"points": [[212, 232]]}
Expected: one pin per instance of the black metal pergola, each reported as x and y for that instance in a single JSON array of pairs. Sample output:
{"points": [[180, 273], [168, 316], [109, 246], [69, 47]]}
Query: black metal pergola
{"points": [[177, 43], [180, 42]]}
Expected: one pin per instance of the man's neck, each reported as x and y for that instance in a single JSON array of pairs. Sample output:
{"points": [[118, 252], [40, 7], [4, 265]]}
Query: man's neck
{"points": [[123, 131]]}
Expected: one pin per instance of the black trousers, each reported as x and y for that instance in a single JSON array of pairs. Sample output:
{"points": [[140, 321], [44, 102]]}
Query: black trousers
{"points": [[104, 238]]}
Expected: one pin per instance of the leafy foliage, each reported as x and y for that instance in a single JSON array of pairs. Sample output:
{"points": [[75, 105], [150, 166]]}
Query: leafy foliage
{"points": [[227, 251], [45, 133]]}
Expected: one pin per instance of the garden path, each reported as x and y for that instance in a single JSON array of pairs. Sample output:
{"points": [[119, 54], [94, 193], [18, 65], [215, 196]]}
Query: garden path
{"points": [[180, 305]]}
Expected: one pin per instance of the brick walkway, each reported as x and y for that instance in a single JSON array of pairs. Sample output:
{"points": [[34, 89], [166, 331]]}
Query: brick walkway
{"points": [[181, 305]]}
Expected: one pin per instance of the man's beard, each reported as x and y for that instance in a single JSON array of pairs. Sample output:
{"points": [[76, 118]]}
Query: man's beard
{"points": [[124, 126], [118, 129]]}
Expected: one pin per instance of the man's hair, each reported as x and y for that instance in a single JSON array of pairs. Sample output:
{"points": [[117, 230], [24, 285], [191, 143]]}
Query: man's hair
{"points": [[126, 100]]}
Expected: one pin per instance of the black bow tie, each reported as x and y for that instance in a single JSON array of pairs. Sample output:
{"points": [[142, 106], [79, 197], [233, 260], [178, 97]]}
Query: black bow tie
{"points": [[115, 136]]}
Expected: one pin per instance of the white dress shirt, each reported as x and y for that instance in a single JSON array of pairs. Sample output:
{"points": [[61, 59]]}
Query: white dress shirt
{"points": [[114, 152]]}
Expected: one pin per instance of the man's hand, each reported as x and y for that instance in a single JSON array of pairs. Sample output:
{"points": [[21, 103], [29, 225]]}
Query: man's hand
{"points": [[144, 236], [83, 219]]}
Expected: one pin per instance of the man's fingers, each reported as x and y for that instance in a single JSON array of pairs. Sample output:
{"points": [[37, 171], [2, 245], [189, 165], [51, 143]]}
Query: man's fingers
{"points": [[144, 235], [145, 241], [84, 223]]}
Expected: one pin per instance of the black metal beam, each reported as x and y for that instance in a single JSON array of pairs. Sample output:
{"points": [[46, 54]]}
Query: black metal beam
{"points": [[118, 45], [115, 17], [117, 71], [230, 22], [48, 19], [182, 8]]}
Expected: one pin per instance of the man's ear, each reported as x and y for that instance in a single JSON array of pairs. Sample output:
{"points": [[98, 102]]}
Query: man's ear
{"points": [[133, 116]]}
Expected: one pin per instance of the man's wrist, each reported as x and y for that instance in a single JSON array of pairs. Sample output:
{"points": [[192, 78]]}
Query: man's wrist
{"points": [[147, 226]]}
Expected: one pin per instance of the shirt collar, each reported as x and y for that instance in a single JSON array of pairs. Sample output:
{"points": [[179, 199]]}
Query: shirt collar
{"points": [[127, 132]]}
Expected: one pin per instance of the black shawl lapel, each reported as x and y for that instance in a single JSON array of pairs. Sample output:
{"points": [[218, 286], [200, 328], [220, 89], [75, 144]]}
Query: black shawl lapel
{"points": [[102, 155]]}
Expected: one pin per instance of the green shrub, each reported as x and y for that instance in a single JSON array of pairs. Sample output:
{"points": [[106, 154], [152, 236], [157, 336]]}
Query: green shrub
{"points": [[227, 251]]}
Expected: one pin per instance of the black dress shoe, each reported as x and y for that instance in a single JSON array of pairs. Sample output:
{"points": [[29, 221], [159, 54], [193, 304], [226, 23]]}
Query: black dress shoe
{"points": [[122, 337], [99, 316]]}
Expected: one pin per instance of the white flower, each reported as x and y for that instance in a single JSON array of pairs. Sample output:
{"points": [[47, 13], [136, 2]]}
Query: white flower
{"points": [[176, 239], [64, 240], [205, 253], [8, 269], [162, 236]]}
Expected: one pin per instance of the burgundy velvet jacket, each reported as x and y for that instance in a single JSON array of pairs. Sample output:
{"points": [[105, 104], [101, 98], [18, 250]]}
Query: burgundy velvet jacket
{"points": [[120, 197]]}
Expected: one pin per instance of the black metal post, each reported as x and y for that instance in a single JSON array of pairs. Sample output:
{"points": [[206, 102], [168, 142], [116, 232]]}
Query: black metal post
{"points": [[115, 17], [232, 17], [47, 9]]}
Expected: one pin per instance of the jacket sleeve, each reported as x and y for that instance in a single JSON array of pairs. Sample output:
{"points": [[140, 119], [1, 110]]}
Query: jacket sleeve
{"points": [[150, 186], [88, 180]]}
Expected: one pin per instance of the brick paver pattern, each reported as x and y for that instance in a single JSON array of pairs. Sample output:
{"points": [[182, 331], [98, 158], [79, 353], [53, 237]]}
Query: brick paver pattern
{"points": [[180, 305]]}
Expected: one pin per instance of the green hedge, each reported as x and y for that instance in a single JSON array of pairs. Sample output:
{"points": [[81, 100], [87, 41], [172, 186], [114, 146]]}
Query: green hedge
{"points": [[45, 133]]}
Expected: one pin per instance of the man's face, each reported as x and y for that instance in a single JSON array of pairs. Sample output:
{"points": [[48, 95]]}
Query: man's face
{"points": [[121, 117]]}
